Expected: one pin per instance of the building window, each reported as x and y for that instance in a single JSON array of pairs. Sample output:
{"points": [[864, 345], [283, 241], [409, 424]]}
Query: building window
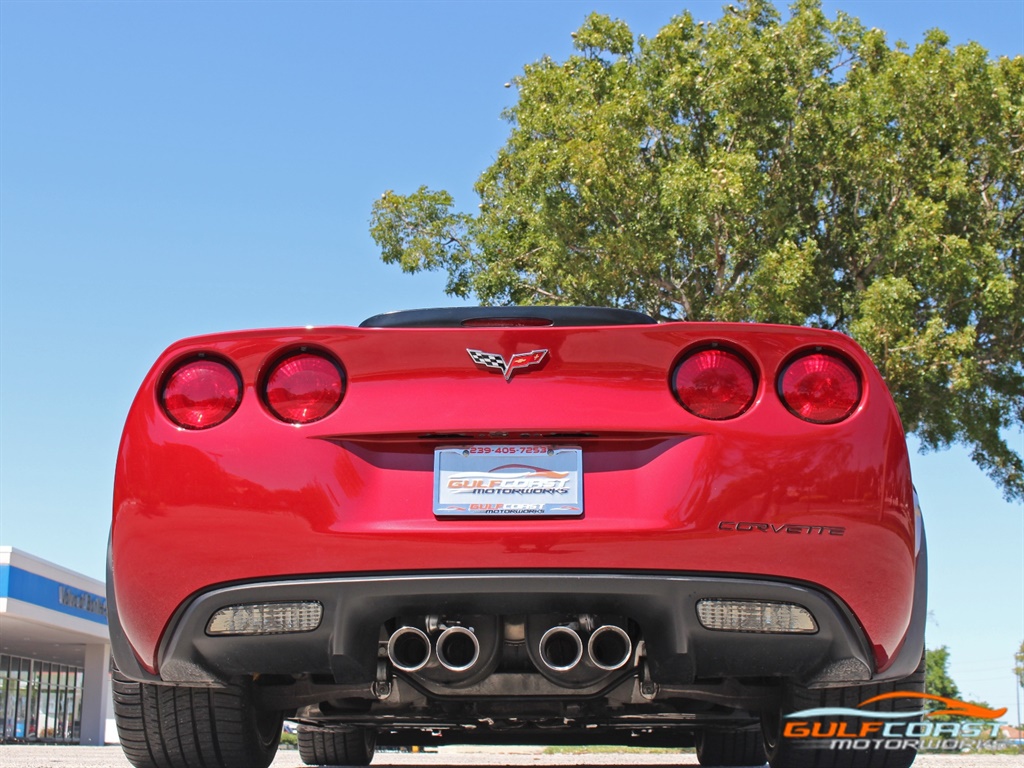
{"points": [[40, 701]]}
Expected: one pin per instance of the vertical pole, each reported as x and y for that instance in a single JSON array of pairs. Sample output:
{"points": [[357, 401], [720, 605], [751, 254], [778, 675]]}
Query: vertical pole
{"points": [[95, 694], [1020, 723]]}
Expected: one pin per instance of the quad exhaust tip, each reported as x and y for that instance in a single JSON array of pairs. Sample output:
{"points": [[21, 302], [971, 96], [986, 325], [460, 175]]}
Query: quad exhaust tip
{"points": [[458, 649], [609, 647], [409, 649], [561, 648]]}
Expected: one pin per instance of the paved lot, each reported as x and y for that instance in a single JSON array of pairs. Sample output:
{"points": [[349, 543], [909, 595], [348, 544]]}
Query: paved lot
{"points": [[12, 756]]}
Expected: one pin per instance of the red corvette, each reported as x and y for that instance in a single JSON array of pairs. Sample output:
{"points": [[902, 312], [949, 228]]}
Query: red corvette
{"points": [[511, 525]]}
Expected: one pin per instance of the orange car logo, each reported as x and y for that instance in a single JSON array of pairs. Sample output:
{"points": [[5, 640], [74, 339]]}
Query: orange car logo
{"points": [[948, 707], [952, 706]]}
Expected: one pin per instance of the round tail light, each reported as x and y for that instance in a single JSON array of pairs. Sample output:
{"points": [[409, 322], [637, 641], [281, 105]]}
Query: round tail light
{"points": [[201, 393], [714, 384], [821, 388], [304, 387]]}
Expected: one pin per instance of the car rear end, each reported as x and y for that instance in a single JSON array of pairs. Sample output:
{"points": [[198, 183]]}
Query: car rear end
{"points": [[487, 521]]}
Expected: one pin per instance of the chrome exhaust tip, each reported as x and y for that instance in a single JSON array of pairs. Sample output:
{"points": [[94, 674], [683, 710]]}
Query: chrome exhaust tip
{"points": [[409, 649], [458, 649], [561, 648], [609, 647]]}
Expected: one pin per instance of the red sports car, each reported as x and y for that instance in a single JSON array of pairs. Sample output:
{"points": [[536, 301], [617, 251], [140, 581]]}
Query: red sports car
{"points": [[512, 525]]}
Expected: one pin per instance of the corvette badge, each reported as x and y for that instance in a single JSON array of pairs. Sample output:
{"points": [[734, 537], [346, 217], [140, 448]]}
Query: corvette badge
{"points": [[517, 361]]}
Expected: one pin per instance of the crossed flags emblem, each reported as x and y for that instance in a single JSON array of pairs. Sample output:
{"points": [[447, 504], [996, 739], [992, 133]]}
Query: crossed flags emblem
{"points": [[515, 362]]}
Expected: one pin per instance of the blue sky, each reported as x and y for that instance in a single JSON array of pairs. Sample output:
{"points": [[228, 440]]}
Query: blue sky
{"points": [[174, 168]]}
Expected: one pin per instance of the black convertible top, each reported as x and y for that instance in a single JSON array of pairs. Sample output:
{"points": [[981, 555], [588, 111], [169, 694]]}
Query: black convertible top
{"points": [[461, 317]]}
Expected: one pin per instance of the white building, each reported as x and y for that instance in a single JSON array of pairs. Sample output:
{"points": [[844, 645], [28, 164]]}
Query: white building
{"points": [[54, 653]]}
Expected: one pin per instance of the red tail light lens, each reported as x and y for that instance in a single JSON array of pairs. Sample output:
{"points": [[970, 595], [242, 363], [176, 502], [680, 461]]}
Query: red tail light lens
{"points": [[304, 387], [820, 387], [714, 384], [201, 393]]}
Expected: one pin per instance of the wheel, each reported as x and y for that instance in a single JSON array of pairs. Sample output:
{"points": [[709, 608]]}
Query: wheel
{"points": [[785, 752], [168, 726], [336, 747], [730, 747]]}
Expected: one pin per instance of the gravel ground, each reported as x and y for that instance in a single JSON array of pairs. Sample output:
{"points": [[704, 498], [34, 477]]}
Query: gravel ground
{"points": [[18, 756]]}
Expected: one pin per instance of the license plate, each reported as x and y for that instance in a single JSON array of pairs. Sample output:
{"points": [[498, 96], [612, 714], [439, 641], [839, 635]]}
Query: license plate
{"points": [[508, 481]]}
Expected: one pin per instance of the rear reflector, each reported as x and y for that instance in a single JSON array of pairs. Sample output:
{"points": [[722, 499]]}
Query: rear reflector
{"points": [[755, 616], [266, 619]]}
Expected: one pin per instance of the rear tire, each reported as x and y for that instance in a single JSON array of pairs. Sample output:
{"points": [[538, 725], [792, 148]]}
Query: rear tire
{"points": [[730, 747], [797, 753], [168, 726], [327, 747]]}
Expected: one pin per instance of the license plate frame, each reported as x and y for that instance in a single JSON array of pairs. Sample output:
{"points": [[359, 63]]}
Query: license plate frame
{"points": [[508, 481]]}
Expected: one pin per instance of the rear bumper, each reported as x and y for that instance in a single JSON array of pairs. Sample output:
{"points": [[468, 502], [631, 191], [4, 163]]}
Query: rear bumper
{"points": [[663, 606]]}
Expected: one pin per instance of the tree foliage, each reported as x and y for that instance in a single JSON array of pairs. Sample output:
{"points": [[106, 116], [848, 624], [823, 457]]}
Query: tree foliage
{"points": [[936, 674], [938, 682], [798, 171], [1018, 667]]}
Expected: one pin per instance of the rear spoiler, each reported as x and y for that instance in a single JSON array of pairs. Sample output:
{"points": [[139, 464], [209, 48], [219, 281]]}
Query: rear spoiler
{"points": [[496, 317]]}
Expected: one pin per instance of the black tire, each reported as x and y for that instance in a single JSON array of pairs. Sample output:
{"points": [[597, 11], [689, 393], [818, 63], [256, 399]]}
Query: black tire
{"points": [[796, 753], [336, 747], [730, 747], [168, 726]]}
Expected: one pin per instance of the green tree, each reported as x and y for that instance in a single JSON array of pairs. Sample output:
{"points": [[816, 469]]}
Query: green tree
{"points": [[936, 675], [802, 172], [1018, 672], [1018, 667]]}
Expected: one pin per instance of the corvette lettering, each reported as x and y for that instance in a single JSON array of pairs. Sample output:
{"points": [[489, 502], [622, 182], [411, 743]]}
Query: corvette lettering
{"points": [[517, 362], [813, 530]]}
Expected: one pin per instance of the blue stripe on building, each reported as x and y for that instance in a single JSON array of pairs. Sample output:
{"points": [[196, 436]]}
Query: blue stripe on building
{"points": [[29, 587]]}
